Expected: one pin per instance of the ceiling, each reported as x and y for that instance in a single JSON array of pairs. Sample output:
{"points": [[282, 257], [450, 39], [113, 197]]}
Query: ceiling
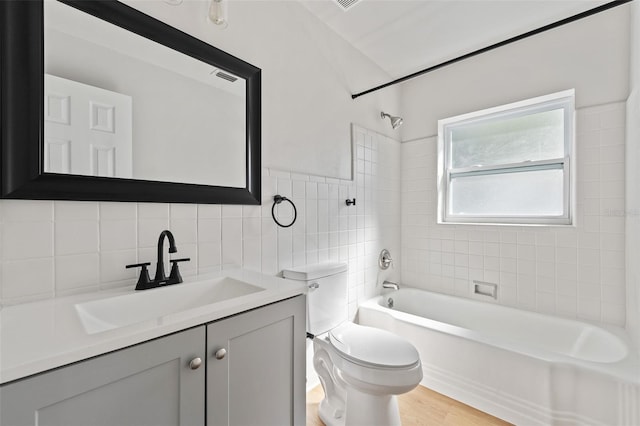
{"points": [[405, 36]]}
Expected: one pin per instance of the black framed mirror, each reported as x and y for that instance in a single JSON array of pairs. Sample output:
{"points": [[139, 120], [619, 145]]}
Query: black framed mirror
{"points": [[34, 167]]}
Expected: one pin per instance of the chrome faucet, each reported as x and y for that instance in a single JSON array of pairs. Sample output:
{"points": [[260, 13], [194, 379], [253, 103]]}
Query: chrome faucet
{"points": [[160, 279], [389, 284]]}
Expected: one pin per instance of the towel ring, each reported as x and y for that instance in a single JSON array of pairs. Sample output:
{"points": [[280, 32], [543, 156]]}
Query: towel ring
{"points": [[277, 199]]}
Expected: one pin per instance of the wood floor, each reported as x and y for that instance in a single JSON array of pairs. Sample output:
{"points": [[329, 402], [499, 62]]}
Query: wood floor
{"points": [[420, 407]]}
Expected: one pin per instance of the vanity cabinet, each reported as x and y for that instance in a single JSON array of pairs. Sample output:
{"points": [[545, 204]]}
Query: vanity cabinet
{"points": [[256, 367], [147, 384], [252, 372]]}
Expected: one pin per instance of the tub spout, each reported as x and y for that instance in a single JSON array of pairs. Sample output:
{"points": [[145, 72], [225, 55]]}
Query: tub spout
{"points": [[389, 284]]}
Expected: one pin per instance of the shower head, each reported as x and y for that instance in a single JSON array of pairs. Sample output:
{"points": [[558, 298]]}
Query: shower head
{"points": [[395, 121]]}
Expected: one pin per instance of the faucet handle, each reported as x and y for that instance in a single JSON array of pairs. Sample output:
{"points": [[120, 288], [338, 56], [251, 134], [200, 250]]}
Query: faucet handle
{"points": [[137, 265], [384, 260], [143, 279], [175, 276]]}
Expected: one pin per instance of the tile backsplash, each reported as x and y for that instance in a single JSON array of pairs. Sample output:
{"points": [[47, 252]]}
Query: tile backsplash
{"points": [[55, 248], [575, 271]]}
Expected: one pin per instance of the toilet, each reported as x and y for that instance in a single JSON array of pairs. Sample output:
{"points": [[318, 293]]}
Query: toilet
{"points": [[361, 369]]}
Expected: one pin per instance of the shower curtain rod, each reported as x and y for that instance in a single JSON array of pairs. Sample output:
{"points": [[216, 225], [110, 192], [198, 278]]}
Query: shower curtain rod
{"points": [[556, 24]]}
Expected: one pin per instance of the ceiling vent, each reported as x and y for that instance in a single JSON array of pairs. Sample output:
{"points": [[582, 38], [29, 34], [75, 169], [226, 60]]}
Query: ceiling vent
{"points": [[226, 76], [347, 4]]}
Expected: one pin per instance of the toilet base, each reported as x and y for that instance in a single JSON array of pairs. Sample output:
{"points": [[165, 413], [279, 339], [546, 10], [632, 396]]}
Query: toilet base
{"points": [[361, 409], [356, 395]]}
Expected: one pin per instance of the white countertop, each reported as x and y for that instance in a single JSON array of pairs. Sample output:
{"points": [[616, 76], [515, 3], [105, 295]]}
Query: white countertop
{"points": [[39, 336]]}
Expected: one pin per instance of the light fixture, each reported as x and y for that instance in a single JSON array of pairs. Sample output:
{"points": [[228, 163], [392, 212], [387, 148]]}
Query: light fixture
{"points": [[395, 121], [218, 13]]}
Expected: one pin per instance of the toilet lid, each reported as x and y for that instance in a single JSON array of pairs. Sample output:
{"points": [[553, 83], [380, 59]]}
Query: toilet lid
{"points": [[372, 346]]}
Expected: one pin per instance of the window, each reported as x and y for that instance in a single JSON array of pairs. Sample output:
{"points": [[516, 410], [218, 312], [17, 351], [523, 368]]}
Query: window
{"points": [[510, 164]]}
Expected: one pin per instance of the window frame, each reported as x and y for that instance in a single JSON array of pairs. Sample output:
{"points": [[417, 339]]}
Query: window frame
{"points": [[564, 100]]}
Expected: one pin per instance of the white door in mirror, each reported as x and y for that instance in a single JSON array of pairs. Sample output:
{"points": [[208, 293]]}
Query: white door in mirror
{"points": [[87, 130]]}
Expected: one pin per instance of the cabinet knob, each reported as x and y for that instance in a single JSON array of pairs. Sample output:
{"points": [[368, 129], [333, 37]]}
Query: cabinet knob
{"points": [[195, 363], [221, 353]]}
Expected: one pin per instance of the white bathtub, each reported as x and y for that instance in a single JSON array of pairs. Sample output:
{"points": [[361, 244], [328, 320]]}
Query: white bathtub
{"points": [[524, 367]]}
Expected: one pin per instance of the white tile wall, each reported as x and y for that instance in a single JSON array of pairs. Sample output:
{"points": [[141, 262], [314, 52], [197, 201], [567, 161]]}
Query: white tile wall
{"points": [[51, 249], [569, 271]]}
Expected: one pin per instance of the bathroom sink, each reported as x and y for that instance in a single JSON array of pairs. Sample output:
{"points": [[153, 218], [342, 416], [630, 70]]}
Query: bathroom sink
{"points": [[120, 311]]}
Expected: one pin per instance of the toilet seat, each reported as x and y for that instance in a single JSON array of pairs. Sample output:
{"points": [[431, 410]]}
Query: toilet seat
{"points": [[365, 370], [372, 347]]}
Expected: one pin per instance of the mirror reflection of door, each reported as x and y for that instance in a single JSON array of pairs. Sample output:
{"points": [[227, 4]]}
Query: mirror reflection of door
{"points": [[189, 118], [87, 130]]}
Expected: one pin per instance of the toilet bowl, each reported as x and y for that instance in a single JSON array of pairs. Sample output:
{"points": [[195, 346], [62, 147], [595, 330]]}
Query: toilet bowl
{"points": [[361, 369]]}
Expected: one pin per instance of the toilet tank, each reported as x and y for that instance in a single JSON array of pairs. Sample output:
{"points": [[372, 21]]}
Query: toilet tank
{"points": [[328, 294]]}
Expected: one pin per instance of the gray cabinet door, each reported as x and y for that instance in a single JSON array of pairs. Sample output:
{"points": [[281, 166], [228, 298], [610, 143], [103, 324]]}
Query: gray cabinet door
{"points": [[147, 384], [261, 379]]}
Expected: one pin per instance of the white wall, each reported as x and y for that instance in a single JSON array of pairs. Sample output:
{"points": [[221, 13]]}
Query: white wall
{"points": [[590, 55], [570, 271], [50, 249], [633, 180]]}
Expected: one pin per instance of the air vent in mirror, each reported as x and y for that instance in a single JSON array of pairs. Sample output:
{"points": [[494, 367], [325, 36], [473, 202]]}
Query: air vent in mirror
{"points": [[225, 76], [346, 4]]}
